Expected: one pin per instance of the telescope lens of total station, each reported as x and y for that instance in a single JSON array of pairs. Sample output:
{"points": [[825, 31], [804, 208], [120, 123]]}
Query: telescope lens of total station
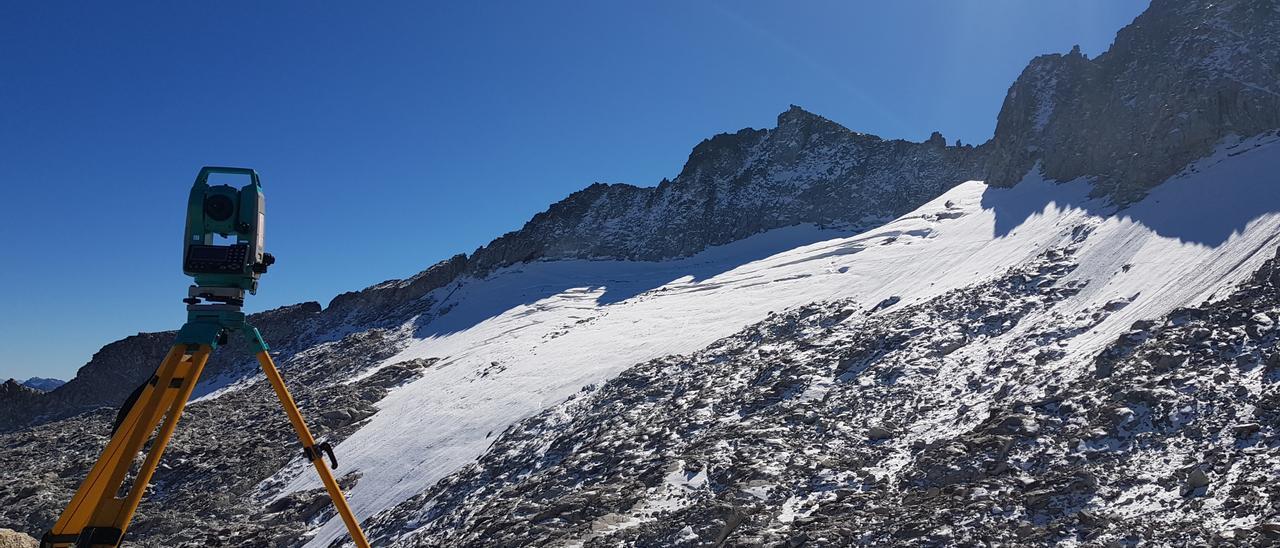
{"points": [[218, 207]]}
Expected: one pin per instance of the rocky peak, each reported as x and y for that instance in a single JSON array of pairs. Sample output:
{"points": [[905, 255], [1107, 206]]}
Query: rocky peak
{"points": [[720, 154], [724, 154], [1179, 79], [797, 120], [798, 116]]}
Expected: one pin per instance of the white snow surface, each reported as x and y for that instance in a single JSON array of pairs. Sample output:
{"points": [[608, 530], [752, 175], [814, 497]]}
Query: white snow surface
{"points": [[527, 337]]}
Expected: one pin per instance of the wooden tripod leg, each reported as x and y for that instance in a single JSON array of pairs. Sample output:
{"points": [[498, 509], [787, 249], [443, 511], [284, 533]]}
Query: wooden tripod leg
{"points": [[96, 516], [311, 450]]}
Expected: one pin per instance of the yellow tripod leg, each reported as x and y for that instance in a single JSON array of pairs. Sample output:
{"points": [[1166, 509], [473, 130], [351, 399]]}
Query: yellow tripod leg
{"points": [[97, 516], [311, 450]]}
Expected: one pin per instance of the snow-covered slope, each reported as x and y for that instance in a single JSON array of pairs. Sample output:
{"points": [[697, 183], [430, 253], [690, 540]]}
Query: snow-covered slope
{"points": [[527, 337]]}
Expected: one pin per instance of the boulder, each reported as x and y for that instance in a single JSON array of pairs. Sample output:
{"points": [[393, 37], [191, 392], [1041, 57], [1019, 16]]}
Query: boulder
{"points": [[13, 539], [1197, 478], [877, 433]]}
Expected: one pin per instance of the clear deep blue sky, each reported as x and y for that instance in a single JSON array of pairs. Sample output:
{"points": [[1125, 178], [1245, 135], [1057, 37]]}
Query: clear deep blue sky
{"points": [[391, 135]]}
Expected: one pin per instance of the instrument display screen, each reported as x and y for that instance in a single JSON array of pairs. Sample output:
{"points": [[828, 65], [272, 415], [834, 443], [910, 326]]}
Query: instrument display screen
{"points": [[215, 259], [210, 253]]}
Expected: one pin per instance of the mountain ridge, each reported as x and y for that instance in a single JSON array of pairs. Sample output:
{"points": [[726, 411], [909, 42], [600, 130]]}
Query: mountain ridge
{"points": [[706, 204]]}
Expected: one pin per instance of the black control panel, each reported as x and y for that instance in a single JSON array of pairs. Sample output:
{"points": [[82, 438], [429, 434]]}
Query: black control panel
{"points": [[215, 259]]}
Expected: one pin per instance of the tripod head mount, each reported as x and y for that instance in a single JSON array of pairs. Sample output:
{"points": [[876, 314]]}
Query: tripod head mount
{"points": [[224, 271]]}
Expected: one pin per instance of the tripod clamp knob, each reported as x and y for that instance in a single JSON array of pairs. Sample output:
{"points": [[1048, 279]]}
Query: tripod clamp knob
{"points": [[267, 260], [314, 453]]}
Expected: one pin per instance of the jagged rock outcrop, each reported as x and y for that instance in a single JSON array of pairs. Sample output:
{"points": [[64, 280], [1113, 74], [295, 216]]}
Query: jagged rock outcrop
{"points": [[16, 400], [1183, 76], [806, 170], [375, 303]]}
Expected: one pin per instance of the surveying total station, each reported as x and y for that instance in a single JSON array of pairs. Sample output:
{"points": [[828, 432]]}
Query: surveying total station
{"points": [[102, 507]]}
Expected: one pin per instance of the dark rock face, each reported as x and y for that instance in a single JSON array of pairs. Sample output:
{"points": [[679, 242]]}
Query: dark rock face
{"points": [[1184, 75], [16, 399]]}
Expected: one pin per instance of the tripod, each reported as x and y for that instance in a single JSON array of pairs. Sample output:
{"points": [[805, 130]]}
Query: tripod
{"points": [[98, 515]]}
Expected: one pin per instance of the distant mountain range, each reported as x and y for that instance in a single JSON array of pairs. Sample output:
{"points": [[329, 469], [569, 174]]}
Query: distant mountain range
{"points": [[43, 384]]}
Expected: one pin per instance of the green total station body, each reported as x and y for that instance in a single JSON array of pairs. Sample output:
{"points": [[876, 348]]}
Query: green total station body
{"points": [[223, 270], [227, 212]]}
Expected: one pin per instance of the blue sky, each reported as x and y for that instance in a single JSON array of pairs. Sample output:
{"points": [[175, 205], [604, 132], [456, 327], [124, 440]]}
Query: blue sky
{"points": [[391, 135]]}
